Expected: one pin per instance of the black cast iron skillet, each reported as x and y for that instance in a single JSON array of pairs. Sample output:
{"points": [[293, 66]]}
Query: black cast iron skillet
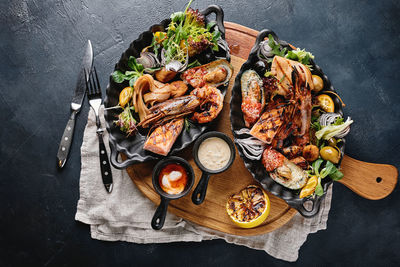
{"points": [[256, 169], [159, 216], [132, 146], [199, 193]]}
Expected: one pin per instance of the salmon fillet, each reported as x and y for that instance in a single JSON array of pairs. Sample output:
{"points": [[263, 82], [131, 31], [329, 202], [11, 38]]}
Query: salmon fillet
{"points": [[163, 137]]}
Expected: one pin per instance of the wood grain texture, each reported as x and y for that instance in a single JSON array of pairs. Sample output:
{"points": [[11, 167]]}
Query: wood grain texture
{"points": [[212, 212], [369, 180], [359, 176]]}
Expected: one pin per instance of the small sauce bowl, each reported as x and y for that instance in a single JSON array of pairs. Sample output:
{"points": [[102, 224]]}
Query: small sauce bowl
{"points": [[199, 193], [159, 216]]}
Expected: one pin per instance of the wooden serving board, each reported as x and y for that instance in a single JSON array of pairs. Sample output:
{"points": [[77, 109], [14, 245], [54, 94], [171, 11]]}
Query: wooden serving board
{"points": [[361, 177]]}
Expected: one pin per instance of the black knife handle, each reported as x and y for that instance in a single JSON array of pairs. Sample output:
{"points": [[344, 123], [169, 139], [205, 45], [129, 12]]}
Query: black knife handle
{"points": [[105, 166], [66, 140]]}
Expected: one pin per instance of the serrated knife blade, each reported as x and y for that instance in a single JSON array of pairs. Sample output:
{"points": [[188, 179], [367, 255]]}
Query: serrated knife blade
{"points": [[76, 103]]}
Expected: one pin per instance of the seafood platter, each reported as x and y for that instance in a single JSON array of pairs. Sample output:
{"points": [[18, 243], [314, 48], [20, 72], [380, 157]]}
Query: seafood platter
{"points": [[179, 70], [167, 92], [288, 122]]}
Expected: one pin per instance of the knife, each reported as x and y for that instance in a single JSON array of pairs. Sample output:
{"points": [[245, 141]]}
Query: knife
{"points": [[76, 103]]}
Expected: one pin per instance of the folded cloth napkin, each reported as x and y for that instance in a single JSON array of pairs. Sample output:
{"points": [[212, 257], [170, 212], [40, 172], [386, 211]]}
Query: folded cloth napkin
{"points": [[126, 213]]}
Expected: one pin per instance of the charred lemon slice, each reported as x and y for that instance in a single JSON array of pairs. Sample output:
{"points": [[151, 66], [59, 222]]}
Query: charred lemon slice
{"points": [[248, 208], [326, 103], [309, 188]]}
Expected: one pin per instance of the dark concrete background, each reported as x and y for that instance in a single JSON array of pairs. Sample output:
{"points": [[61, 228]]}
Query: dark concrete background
{"points": [[356, 43]]}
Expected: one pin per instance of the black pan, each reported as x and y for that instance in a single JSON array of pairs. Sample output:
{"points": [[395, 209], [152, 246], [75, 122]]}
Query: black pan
{"points": [[199, 193], [256, 169], [159, 216], [132, 146]]}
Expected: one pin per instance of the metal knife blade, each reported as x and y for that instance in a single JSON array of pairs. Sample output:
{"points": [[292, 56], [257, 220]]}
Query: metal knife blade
{"points": [[76, 103], [83, 77]]}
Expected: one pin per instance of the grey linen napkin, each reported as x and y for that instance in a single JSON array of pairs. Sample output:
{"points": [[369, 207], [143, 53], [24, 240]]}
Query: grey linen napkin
{"points": [[126, 213]]}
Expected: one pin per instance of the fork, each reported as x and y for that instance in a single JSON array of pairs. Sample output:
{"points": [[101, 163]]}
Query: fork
{"points": [[94, 95]]}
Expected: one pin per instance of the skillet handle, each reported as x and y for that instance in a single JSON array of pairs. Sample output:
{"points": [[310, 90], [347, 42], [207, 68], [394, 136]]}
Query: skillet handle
{"points": [[260, 37], [114, 159], [308, 213], [199, 193], [159, 216], [219, 16]]}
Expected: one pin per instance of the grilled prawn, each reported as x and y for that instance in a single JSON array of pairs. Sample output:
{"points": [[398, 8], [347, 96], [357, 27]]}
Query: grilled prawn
{"points": [[170, 109], [211, 105]]}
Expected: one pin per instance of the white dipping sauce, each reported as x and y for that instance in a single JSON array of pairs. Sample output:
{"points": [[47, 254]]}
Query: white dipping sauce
{"points": [[214, 153]]}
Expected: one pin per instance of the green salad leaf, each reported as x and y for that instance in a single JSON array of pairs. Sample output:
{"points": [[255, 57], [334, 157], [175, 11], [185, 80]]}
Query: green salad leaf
{"points": [[276, 48], [118, 76], [300, 55], [328, 169], [319, 191], [187, 34], [336, 175], [129, 75], [316, 165]]}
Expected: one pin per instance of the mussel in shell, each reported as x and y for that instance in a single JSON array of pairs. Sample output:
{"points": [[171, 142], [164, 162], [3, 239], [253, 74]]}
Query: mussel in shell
{"points": [[214, 74], [253, 98]]}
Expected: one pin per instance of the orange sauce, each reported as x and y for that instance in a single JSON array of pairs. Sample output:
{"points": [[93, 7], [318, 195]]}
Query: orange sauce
{"points": [[173, 178]]}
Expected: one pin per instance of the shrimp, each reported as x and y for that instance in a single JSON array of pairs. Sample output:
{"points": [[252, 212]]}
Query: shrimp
{"points": [[211, 105]]}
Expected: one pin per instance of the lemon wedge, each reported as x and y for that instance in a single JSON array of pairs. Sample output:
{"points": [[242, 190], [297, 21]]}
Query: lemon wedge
{"points": [[249, 208]]}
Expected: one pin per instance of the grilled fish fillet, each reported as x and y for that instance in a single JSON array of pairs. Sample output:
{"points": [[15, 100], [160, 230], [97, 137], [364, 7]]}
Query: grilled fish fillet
{"points": [[272, 122], [163, 137]]}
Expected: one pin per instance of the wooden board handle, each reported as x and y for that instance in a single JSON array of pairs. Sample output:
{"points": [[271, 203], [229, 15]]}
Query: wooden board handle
{"points": [[369, 180]]}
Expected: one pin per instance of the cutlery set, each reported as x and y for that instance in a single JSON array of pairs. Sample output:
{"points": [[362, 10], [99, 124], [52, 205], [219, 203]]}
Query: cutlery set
{"points": [[88, 82]]}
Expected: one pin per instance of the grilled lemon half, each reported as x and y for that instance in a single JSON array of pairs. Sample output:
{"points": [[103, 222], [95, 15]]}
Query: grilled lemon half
{"points": [[248, 208]]}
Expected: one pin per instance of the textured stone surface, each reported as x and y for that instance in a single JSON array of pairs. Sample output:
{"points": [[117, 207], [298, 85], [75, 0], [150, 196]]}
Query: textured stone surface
{"points": [[41, 45]]}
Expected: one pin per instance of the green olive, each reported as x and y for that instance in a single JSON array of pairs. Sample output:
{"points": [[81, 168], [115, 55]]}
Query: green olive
{"points": [[330, 153], [332, 142], [318, 83]]}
